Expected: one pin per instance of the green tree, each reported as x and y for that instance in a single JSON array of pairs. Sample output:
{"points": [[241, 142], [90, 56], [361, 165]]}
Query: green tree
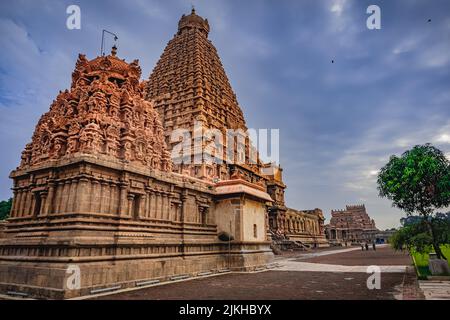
{"points": [[5, 208], [415, 235], [418, 182]]}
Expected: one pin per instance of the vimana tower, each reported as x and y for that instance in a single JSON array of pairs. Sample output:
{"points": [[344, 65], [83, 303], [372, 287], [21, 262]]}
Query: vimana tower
{"points": [[100, 203]]}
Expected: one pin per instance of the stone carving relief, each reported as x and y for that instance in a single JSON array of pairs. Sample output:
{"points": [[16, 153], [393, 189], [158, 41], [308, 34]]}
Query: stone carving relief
{"points": [[104, 112]]}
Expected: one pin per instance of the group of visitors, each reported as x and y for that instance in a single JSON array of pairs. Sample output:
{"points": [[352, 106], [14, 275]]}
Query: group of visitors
{"points": [[365, 245]]}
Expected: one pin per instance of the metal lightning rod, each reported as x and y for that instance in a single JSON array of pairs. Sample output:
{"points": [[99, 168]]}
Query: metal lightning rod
{"points": [[102, 52]]}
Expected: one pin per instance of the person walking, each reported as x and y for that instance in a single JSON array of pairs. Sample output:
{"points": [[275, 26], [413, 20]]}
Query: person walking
{"points": [[362, 246], [367, 246], [374, 246]]}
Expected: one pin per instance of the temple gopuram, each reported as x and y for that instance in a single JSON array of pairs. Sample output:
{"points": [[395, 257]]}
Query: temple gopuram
{"points": [[188, 86], [100, 202], [351, 225]]}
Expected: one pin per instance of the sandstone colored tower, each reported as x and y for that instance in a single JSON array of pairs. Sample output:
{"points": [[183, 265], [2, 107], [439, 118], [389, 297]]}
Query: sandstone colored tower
{"points": [[189, 85], [96, 205], [98, 191], [351, 224]]}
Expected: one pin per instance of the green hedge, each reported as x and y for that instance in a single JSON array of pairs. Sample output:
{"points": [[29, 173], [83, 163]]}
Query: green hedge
{"points": [[421, 261]]}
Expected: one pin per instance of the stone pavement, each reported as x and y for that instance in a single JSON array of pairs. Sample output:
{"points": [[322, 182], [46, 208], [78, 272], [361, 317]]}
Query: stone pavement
{"points": [[272, 285], [307, 266], [299, 276], [435, 289], [384, 255]]}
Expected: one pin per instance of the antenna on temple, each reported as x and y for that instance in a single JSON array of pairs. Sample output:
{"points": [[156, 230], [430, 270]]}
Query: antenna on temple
{"points": [[102, 51]]}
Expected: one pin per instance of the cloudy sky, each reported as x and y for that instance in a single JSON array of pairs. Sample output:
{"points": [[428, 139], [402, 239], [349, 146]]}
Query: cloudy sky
{"points": [[386, 91]]}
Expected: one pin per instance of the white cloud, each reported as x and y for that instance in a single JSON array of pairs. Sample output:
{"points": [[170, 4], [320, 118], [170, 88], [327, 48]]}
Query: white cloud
{"points": [[406, 45], [338, 6], [443, 135], [373, 172], [444, 138]]}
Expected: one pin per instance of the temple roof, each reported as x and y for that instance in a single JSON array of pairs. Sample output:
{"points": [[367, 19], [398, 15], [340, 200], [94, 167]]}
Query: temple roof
{"points": [[193, 21], [189, 85], [105, 115], [191, 74]]}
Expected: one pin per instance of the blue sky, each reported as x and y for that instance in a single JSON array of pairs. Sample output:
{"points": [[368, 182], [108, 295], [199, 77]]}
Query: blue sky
{"points": [[386, 91]]}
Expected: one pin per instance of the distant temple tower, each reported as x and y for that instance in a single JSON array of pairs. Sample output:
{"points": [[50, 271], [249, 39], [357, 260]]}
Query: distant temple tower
{"points": [[350, 225]]}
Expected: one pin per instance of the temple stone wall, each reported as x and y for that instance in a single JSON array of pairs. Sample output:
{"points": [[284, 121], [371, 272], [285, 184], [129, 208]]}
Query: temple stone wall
{"points": [[228, 216], [304, 226], [155, 226], [95, 194], [254, 222]]}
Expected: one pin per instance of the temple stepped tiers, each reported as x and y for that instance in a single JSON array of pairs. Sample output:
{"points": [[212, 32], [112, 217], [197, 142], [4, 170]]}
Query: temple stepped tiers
{"points": [[189, 85]]}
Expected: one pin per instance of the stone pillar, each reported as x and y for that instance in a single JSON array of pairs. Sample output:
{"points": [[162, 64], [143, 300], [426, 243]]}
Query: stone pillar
{"points": [[166, 206], [82, 196], [48, 207], [103, 197], [115, 199], [109, 198], [67, 197], [28, 201], [176, 209], [60, 196], [145, 211], [123, 204], [130, 198], [101, 194], [58, 192], [70, 198], [97, 200], [162, 202], [44, 199], [183, 208], [157, 205], [14, 204], [142, 206], [183, 221], [151, 205], [20, 202]]}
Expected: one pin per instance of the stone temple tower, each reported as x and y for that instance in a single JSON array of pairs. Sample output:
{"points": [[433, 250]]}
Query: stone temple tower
{"points": [[97, 207], [189, 85]]}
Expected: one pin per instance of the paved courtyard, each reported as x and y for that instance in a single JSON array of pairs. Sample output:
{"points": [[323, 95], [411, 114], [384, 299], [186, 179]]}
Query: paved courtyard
{"points": [[324, 274]]}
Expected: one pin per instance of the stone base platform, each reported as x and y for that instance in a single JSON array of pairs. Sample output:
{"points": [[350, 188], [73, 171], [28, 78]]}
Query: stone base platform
{"points": [[48, 278], [313, 241]]}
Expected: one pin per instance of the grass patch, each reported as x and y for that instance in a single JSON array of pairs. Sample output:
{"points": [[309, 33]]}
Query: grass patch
{"points": [[421, 261]]}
